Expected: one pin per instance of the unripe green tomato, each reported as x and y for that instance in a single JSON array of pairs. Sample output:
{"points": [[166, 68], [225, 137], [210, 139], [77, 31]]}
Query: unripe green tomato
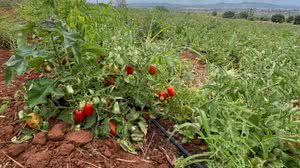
{"points": [[70, 89]]}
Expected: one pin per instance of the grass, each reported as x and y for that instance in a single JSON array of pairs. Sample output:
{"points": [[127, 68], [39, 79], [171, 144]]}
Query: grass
{"points": [[244, 111], [6, 35]]}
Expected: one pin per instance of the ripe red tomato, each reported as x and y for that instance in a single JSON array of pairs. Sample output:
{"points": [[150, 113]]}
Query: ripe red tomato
{"points": [[79, 116], [88, 109], [113, 128], [65, 61], [163, 95], [111, 80], [171, 91], [152, 69], [129, 70], [47, 69]]}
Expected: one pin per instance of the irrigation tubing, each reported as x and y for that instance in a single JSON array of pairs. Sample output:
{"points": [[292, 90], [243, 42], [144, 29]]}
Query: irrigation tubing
{"points": [[173, 141]]}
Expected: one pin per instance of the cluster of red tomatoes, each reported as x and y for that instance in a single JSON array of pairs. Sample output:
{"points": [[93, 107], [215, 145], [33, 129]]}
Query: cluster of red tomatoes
{"points": [[163, 95], [88, 110], [130, 70]]}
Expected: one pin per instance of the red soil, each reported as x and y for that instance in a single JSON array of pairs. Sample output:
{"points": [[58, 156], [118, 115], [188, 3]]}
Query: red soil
{"points": [[198, 67]]}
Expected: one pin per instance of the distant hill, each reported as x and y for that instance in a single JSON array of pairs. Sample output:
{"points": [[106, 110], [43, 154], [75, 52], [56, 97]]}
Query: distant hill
{"points": [[151, 5], [244, 5]]}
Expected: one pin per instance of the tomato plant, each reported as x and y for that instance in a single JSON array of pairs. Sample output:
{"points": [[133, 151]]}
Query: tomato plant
{"points": [[84, 83]]}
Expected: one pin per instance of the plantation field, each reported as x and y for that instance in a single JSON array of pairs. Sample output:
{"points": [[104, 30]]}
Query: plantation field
{"points": [[228, 90]]}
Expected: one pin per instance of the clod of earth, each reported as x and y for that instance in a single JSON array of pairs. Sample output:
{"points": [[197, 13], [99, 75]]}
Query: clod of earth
{"points": [[38, 160], [57, 133], [40, 138], [16, 149], [65, 149], [80, 138]]}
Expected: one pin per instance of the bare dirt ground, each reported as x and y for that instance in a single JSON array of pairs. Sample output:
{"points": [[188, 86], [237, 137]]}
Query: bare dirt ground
{"points": [[198, 67], [62, 147]]}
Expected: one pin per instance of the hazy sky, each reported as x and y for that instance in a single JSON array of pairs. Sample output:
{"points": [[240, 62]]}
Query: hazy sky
{"points": [[279, 2]]}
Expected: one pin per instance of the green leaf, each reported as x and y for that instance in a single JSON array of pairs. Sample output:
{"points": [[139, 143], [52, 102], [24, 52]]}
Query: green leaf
{"points": [[48, 110], [104, 128], [127, 146], [9, 75], [3, 107], [40, 89], [94, 49], [143, 126], [19, 62], [21, 139], [67, 116], [133, 115], [90, 121]]}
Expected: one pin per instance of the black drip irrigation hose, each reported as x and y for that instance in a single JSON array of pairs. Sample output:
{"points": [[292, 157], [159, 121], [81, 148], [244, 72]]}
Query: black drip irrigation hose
{"points": [[174, 142]]}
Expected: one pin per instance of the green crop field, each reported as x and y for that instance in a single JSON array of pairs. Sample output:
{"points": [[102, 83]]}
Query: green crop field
{"points": [[247, 109]]}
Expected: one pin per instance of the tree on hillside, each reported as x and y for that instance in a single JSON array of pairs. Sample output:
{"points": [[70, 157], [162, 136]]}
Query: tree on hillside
{"points": [[278, 18], [264, 18], [290, 19], [229, 14], [243, 15], [161, 8], [214, 13], [297, 20]]}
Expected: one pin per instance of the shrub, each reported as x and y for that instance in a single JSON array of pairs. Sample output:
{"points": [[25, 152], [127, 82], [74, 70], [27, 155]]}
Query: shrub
{"points": [[161, 8], [243, 15], [264, 18], [229, 14], [297, 20], [278, 18], [252, 18], [214, 13], [290, 19]]}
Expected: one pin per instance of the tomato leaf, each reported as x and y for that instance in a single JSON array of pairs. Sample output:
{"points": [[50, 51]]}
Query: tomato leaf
{"points": [[94, 49], [104, 128], [127, 146], [41, 88], [67, 116], [19, 62], [133, 115], [90, 121], [143, 126], [9, 75], [3, 108]]}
